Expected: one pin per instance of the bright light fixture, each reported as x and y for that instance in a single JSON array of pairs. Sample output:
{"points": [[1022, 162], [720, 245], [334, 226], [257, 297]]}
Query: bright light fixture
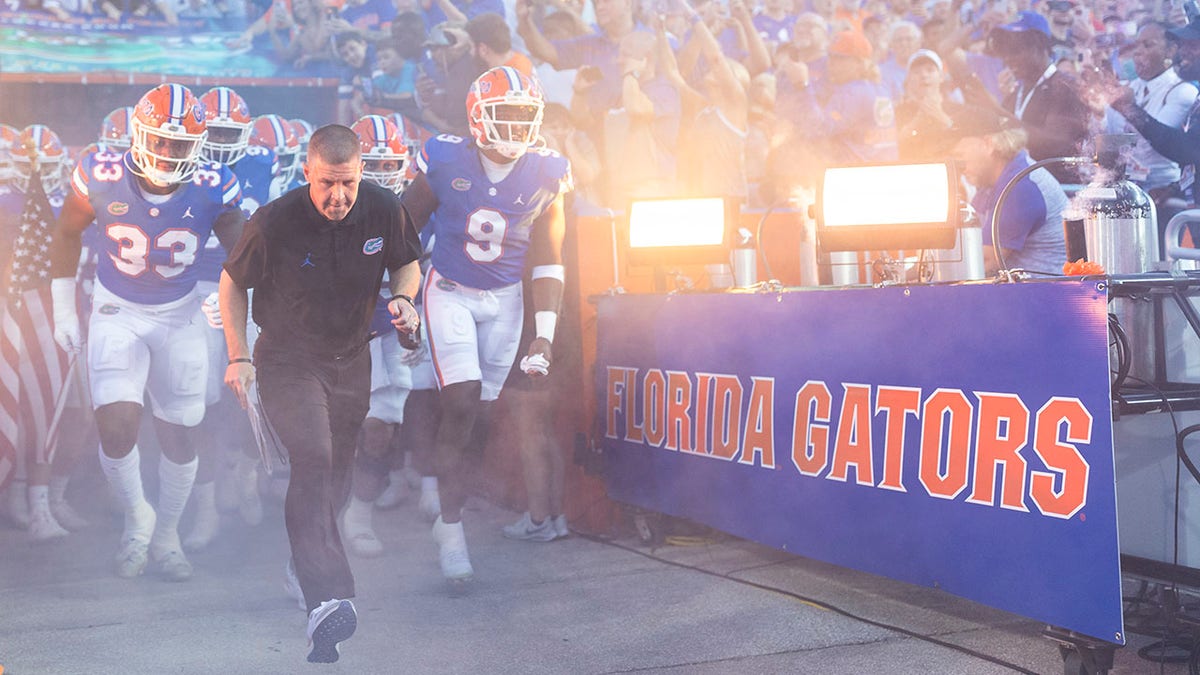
{"points": [[677, 222], [896, 206]]}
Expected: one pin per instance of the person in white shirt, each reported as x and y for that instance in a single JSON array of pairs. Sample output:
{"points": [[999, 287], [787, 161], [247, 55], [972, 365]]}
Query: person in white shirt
{"points": [[1165, 96]]}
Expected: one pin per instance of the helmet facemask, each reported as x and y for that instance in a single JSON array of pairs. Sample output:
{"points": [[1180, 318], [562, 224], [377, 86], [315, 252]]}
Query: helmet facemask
{"points": [[387, 172], [226, 142], [50, 170], [167, 155], [510, 125]]}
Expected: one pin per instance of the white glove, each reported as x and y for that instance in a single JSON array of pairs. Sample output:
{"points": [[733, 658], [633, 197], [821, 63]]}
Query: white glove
{"points": [[66, 320], [212, 310], [535, 365]]}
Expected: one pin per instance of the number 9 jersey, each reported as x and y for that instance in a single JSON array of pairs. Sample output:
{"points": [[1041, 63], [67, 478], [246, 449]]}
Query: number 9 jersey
{"points": [[482, 228], [150, 242]]}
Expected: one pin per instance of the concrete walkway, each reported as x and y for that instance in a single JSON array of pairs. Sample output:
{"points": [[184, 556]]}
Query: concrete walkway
{"points": [[581, 605]]}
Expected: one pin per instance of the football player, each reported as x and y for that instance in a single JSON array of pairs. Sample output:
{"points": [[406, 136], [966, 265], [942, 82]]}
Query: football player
{"points": [[116, 132], [493, 202], [38, 155], [303, 131], [278, 135], [229, 123], [385, 158], [156, 204]]}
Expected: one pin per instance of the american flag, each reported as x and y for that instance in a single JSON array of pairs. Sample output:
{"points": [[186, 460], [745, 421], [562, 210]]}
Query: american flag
{"points": [[33, 370]]}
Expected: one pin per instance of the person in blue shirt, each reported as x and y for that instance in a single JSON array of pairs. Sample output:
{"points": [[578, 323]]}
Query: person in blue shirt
{"points": [[493, 204], [156, 204], [991, 152]]}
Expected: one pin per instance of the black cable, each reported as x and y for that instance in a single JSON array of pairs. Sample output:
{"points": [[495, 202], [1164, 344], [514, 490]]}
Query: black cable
{"points": [[1171, 638], [1124, 355], [821, 604], [758, 240]]}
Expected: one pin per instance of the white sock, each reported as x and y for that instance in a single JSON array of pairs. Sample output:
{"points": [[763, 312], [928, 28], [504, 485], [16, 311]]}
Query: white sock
{"points": [[174, 486], [39, 500], [358, 514], [428, 483], [125, 477], [206, 496], [58, 488]]}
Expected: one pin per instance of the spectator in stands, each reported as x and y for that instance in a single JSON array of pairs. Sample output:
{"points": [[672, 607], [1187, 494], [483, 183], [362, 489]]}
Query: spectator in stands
{"points": [[1160, 95], [1047, 102], [157, 9], [716, 110], [925, 115], [558, 85], [372, 18], [445, 78], [642, 130], [394, 85], [358, 67], [904, 41], [859, 117], [601, 49], [761, 134], [561, 134], [457, 11], [991, 151], [1069, 23], [307, 44], [277, 17], [774, 22], [492, 39]]}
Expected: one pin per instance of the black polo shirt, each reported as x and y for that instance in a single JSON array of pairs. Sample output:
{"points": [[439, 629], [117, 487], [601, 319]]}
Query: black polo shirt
{"points": [[316, 282]]}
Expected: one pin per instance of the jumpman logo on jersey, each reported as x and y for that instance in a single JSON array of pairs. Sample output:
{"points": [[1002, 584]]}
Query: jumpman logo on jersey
{"points": [[188, 213], [519, 200], [308, 260]]}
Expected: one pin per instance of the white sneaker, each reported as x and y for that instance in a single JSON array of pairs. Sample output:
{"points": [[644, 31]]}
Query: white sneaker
{"points": [[168, 557], [249, 501], [395, 493], [44, 527], [135, 541], [430, 505], [333, 622], [67, 516], [132, 558], [361, 537], [561, 531], [291, 584], [452, 550], [173, 565], [525, 529]]}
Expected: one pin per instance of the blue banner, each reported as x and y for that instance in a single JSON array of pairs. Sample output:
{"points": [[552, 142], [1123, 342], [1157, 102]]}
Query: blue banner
{"points": [[957, 437]]}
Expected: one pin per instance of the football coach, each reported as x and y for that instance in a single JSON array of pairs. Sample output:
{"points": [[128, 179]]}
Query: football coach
{"points": [[315, 258]]}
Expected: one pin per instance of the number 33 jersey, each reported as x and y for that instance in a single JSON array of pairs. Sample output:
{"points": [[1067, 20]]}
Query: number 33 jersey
{"points": [[148, 247], [482, 229]]}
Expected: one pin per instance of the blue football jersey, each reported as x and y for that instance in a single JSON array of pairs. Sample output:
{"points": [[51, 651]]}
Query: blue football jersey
{"points": [[255, 171], [482, 230], [149, 250]]}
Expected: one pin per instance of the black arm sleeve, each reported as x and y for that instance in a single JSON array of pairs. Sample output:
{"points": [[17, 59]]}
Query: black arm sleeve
{"points": [[1174, 144]]}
